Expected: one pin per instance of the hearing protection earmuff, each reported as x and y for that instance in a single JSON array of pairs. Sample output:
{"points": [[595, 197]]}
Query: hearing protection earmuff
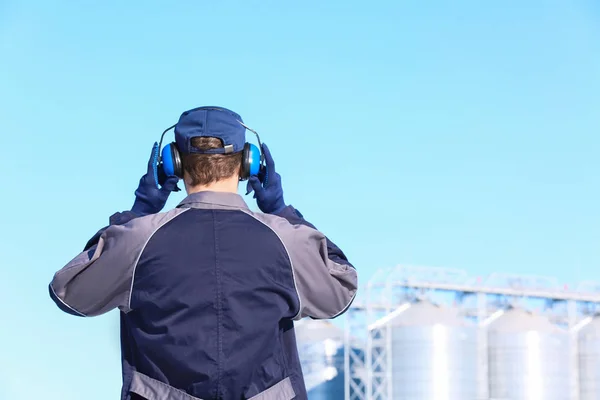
{"points": [[252, 158]]}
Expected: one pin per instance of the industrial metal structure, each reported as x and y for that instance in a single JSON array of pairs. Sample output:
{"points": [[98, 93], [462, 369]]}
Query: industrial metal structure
{"points": [[495, 338]]}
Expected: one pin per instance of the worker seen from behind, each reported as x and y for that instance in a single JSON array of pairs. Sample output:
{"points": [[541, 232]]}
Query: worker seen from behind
{"points": [[209, 290]]}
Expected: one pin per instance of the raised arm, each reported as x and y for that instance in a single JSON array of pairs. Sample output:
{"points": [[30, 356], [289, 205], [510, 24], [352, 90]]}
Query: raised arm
{"points": [[99, 278], [325, 281]]}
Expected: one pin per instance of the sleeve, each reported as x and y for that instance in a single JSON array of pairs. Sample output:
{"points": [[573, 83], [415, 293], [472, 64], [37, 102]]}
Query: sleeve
{"points": [[119, 218], [99, 278], [325, 281]]}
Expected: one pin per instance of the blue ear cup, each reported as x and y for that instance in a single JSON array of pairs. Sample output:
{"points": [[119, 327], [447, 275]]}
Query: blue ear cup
{"points": [[254, 160], [171, 161], [250, 161]]}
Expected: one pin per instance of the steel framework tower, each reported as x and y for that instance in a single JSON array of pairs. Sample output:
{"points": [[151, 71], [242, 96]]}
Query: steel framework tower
{"points": [[368, 360]]}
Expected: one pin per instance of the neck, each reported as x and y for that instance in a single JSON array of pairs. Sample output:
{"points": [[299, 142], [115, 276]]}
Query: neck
{"points": [[229, 185]]}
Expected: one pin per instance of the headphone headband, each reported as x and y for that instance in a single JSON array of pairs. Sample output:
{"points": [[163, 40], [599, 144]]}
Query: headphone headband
{"points": [[262, 157], [170, 157], [162, 137]]}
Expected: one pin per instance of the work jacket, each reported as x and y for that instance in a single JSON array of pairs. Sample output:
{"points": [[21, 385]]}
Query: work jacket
{"points": [[207, 294]]}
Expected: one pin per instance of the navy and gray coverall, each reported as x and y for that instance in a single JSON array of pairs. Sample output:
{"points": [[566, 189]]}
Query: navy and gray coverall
{"points": [[207, 294]]}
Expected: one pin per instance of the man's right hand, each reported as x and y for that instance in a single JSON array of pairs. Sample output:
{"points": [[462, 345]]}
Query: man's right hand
{"points": [[268, 191]]}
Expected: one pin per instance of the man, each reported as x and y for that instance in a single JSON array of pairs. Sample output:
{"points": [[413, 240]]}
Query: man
{"points": [[208, 291]]}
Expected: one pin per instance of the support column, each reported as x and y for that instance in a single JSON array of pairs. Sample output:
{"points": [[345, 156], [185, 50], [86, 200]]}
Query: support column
{"points": [[482, 349], [354, 355], [573, 349]]}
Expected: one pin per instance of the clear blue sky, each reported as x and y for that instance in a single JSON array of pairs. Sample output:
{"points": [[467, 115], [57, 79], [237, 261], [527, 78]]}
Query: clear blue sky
{"points": [[461, 134]]}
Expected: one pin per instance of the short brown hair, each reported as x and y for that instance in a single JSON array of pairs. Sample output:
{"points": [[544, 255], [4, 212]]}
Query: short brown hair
{"points": [[204, 169]]}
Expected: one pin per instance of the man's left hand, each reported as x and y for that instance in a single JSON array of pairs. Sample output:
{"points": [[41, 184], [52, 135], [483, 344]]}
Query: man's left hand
{"points": [[150, 197]]}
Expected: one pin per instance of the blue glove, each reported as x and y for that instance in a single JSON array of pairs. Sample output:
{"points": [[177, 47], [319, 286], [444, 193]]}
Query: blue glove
{"points": [[150, 198], [268, 191]]}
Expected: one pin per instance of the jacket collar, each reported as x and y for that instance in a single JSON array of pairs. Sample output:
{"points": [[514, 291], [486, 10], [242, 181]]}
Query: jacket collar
{"points": [[218, 199]]}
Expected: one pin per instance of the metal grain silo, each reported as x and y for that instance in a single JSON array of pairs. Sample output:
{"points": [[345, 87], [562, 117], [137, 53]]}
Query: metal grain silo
{"points": [[589, 360], [528, 358], [321, 351], [434, 354]]}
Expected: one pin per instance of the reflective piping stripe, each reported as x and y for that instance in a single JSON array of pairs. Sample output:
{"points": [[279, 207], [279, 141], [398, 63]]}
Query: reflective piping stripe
{"points": [[347, 306], [280, 391], [68, 307], [152, 389]]}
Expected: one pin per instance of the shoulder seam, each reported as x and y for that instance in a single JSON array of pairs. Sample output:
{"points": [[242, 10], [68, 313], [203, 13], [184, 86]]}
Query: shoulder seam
{"points": [[248, 212]]}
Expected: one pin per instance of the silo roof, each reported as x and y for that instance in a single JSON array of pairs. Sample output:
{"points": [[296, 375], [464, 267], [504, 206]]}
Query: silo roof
{"points": [[593, 327], [519, 320], [424, 313]]}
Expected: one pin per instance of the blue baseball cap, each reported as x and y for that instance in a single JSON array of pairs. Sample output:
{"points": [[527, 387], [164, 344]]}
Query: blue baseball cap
{"points": [[210, 121]]}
